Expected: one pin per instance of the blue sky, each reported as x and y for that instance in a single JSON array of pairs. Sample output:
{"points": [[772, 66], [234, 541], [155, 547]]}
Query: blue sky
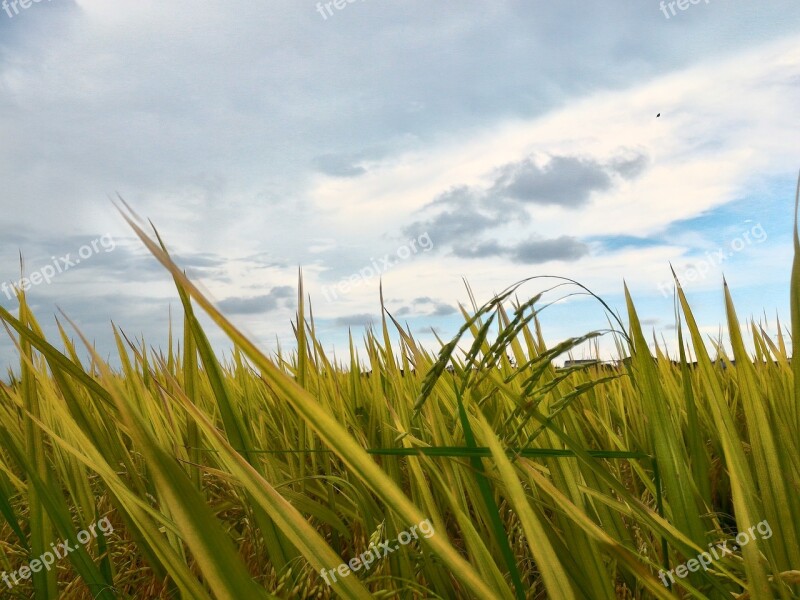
{"points": [[427, 142]]}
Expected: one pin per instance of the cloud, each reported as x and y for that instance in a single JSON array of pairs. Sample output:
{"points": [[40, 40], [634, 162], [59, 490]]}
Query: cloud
{"points": [[564, 181], [439, 309], [464, 216], [356, 320], [429, 330], [540, 251], [630, 166], [442, 310], [258, 304], [338, 165], [531, 251], [248, 306], [479, 250]]}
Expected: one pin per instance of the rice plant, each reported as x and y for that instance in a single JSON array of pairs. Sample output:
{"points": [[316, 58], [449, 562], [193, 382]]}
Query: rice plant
{"points": [[258, 476]]}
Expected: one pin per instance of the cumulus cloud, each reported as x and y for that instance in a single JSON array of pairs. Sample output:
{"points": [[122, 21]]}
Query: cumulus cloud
{"points": [[568, 182], [259, 304], [356, 320], [426, 306], [465, 214], [531, 251], [442, 310], [539, 251]]}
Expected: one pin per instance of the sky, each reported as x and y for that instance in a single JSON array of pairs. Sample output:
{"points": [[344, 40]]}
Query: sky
{"points": [[417, 145]]}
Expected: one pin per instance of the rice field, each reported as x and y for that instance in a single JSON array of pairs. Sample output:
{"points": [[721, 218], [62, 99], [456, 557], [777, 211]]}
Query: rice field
{"points": [[481, 470]]}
